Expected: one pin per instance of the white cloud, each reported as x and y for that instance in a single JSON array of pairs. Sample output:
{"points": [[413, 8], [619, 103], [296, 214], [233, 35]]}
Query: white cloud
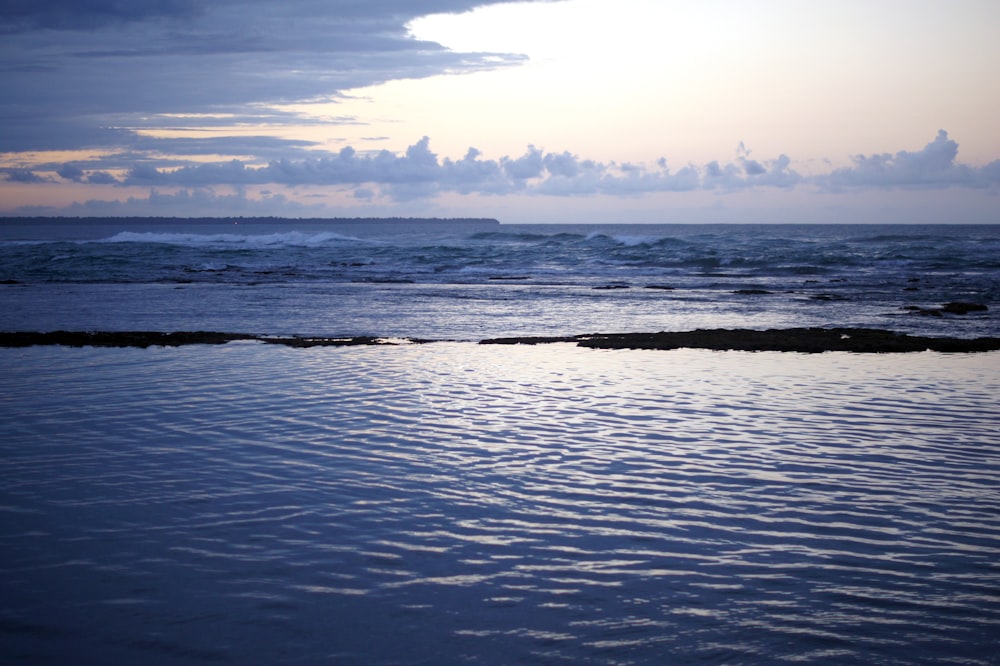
{"points": [[933, 166]]}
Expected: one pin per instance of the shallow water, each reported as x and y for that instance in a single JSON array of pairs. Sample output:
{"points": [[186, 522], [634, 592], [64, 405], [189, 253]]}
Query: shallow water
{"points": [[457, 503]]}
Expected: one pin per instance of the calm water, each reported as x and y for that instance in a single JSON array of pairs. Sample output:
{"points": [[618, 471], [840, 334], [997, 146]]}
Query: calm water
{"points": [[458, 503]]}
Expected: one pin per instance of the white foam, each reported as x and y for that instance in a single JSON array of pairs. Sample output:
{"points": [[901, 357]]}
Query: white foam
{"points": [[629, 240]]}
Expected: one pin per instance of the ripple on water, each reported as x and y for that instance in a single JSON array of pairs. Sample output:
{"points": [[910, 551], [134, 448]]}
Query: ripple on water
{"points": [[453, 502]]}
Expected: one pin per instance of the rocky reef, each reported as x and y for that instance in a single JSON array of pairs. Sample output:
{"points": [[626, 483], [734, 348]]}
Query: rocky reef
{"points": [[806, 340]]}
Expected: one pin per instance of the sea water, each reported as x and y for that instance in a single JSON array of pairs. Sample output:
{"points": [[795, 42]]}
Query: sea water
{"points": [[468, 281], [460, 503]]}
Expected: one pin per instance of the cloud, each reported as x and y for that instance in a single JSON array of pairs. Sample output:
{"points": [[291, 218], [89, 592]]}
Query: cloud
{"points": [[420, 173], [70, 172], [933, 166], [23, 176], [23, 15], [86, 73], [101, 178], [529, 165], [184, 203]]}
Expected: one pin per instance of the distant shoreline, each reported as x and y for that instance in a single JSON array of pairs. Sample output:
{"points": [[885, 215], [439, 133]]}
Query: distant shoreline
{"points": [[803, 340], [246, 220]]}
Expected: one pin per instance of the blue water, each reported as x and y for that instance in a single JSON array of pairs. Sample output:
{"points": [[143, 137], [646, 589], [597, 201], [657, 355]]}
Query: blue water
{"points": [[460, 503], [470, 281], [455, 503]]}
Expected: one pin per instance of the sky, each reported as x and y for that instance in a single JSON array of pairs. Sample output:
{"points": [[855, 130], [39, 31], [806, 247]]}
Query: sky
{"points": [[597, 111]]}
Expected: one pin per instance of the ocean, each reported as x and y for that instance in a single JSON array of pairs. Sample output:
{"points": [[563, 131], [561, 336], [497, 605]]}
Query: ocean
{"points": [[459, 503], [475, 280]]}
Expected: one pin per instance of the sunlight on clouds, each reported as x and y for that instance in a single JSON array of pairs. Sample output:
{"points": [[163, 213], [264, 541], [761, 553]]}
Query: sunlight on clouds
{"points": [[650, 102], [613, 77], [640, 79], [637, 80]]}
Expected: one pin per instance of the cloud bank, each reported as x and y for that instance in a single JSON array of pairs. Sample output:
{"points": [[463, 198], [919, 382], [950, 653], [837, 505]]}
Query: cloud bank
{"points": [[420, 173]]}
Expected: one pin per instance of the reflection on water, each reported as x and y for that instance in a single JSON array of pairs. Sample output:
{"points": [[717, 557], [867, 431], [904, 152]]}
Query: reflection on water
{"points": [[455, 503]]}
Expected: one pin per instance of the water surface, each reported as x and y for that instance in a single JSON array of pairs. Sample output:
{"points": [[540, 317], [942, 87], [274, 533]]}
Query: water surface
{"points": [[457, 503]]}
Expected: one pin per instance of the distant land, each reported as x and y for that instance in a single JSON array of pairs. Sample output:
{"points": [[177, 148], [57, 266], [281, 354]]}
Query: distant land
{"points": [[248, 220]]}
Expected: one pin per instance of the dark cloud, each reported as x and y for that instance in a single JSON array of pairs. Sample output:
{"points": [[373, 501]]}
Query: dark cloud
{"points": [[21, 15], [101, 178], [23, 176], [40, 130], [70, 172], [85, 73]]}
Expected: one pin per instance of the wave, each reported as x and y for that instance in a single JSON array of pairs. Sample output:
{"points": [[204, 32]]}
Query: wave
{"points": [[524, 236], [637, 240], [287, 238]]}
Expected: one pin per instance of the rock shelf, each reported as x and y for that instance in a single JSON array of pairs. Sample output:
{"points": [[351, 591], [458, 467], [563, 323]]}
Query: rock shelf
{"points": [[805, 340]]}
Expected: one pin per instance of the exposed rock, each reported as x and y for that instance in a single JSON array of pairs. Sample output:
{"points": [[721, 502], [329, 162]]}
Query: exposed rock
{"points": [[533, 340], [143, 339], [964, 308], [926, 312], [808, 340], [140, 339]]}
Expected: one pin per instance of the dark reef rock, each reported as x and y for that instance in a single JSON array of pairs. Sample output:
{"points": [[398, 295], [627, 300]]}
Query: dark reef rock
{"points": [[143, 339], [118, 338], [533, 340], [806, 340], [964, 308], [925, 312]]}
